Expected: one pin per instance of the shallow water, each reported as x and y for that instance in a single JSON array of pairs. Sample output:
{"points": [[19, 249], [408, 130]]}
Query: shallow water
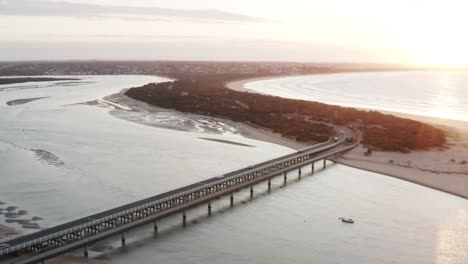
{"points": [[441, 94]]}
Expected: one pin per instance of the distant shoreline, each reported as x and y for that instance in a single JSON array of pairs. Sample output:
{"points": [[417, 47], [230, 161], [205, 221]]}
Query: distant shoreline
{"points": [[433, 169], [16, 80]]}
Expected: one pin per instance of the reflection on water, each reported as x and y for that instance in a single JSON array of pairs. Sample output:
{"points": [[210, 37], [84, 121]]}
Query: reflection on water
{"points": [[446, 98], [452, 242]]}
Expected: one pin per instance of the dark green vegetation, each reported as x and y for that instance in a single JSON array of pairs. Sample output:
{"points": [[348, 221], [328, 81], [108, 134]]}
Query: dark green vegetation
{"points": [[207, 95], [27, 79]]}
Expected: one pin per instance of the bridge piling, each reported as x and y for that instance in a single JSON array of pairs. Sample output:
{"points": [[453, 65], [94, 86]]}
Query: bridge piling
{"points": [[269, 185], [209, 209], [155, 227], [285, 177], [300, 172], [123, 239], [251, 191], [313, 163], [184, 219], [86, 252], [232, 199], [324, 163]]}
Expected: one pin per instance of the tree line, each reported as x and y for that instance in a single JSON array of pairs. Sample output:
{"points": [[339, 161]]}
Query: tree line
{"points": [[207, 95]]}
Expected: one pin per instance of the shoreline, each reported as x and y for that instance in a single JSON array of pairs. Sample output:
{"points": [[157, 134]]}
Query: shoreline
{"points": [[239, 84], [439, 169]]}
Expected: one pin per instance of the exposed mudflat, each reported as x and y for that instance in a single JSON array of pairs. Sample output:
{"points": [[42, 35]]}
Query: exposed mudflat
{"points": [[15, 219], [227, 142], [48, 157], [23, 101]]}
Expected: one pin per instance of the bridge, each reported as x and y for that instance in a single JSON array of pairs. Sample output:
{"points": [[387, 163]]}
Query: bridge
{"points": [[49, 243]]}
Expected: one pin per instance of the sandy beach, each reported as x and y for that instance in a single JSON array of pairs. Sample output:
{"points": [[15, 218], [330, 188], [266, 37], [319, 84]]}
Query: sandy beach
{"points": [[240, 84], [444, 169]]}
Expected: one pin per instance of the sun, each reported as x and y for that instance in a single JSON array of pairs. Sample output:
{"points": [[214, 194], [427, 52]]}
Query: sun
{"points": [[436, 34], [442, 49], [442, 56]]}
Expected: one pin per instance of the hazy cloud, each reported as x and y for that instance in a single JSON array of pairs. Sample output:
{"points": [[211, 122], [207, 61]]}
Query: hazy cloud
{"points": [[68, 9], [150, 36], [120, 36]]}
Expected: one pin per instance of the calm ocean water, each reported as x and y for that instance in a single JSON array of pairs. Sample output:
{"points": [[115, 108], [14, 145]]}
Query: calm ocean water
{"points": [[432, 93], [61, 161]]}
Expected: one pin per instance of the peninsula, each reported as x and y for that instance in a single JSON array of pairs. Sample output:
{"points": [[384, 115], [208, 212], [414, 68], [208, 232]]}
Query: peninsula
{"points": [[303, 121]]}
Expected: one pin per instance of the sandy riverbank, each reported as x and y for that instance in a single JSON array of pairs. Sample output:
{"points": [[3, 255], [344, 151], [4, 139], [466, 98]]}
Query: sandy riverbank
{"points": [[443, 169]]}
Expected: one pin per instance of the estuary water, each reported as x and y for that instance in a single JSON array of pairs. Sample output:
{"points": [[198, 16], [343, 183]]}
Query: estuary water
{"points": [[442, 94], [64, 156]]}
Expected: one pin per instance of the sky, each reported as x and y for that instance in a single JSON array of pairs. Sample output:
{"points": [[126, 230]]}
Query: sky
{"points": [[416, 32]]}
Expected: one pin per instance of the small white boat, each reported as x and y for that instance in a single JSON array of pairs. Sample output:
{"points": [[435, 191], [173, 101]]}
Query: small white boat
{"points": [[347, 220]]}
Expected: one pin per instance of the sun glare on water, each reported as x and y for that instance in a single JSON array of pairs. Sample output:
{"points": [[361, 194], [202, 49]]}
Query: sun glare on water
{"points": [[437, 34]]}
